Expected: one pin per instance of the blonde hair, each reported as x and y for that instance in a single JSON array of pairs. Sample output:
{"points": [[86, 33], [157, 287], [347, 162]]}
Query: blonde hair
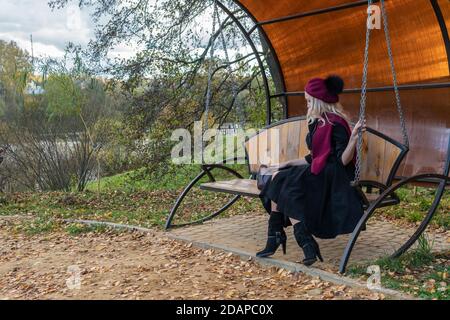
{"points": [[319, 110]]}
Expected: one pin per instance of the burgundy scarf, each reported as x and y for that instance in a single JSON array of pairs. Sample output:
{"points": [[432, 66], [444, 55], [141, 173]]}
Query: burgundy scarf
{"points": [[321, 142]]}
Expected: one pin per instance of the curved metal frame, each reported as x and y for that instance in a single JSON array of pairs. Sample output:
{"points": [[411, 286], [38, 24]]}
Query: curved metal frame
{"points": [[255, 51], [369, 212], [445, 179], [442, 25], [381, 187], [206, 170], [279, 70]]}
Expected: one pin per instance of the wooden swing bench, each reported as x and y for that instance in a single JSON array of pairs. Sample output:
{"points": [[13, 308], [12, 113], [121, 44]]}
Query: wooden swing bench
{"points": [[381, 158], [378, 170]]}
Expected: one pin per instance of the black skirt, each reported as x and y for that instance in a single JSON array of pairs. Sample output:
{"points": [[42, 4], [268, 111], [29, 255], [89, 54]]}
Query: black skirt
{"points": [[326, 202]]}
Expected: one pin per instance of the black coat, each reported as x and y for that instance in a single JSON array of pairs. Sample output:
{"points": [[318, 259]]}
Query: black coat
{"points": [[325, 202]]}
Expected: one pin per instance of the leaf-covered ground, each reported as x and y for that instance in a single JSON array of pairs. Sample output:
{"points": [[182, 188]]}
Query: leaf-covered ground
{"points": [[133, 198], [116, 265], [419, 274]]}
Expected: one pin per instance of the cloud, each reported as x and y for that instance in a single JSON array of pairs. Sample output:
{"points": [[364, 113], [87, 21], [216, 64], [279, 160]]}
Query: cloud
{"points": [[51, 30]]}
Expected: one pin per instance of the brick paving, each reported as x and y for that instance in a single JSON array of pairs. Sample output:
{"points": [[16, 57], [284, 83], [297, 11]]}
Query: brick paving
{"points": [[248, 234]]}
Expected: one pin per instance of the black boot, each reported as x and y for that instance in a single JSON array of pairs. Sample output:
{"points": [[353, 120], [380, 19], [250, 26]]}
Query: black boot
{"points": [[309, 245], [276, 236]]}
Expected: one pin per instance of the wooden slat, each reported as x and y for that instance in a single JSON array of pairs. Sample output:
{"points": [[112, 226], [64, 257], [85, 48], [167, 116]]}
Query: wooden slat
{"points": [[284, 142], [252, 152], [274, 145], [245, 187], [379, 156], [303, 147], [294, 129], [372, 196], [373, 155], [263, 144], [288, 138], [390, 156]]}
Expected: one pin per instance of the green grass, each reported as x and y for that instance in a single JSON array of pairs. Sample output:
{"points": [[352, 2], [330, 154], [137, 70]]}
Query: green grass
{"points": [[133, 198], [77, 228], [418, 272], [171, 177], [40, 224], [414, 205], [138, 180]]}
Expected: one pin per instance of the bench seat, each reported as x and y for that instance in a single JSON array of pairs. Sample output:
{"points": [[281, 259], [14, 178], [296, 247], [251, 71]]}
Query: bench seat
{"points": [[248, 188], [244, 187]]}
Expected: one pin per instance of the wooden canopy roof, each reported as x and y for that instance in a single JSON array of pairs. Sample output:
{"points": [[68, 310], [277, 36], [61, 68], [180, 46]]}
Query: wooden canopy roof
{"points": [[316, 38]]}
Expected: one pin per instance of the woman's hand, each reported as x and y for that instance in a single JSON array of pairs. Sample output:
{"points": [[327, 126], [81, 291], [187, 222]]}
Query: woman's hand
{"points": [[292, 163], [273, 166], [276, 166], [280, 166], [349, 151], [361, 124]]}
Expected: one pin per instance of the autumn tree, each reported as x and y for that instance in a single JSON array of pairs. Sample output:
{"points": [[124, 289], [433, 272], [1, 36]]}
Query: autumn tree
{"points": [[182, 49], [15, 72], [54, 140]]}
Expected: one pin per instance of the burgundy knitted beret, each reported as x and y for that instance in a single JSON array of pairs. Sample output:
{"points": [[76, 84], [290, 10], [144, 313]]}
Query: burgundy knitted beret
{"points": [[327, 90]]}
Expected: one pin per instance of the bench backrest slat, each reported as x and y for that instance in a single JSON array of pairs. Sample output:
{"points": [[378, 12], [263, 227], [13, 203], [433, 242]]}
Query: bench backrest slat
{"points": [[280, 143], [286, 141]]}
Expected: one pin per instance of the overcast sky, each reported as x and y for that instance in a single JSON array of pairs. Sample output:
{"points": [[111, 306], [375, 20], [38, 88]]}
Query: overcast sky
{"points": [[51, 30]]}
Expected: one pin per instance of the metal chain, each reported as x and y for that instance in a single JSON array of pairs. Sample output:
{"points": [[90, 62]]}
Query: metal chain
{"points": [[362, 111], [364, 89], [394, 76]]}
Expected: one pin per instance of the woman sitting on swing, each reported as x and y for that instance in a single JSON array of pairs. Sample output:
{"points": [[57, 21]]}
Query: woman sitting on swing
{"points": [[315, 195]]}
